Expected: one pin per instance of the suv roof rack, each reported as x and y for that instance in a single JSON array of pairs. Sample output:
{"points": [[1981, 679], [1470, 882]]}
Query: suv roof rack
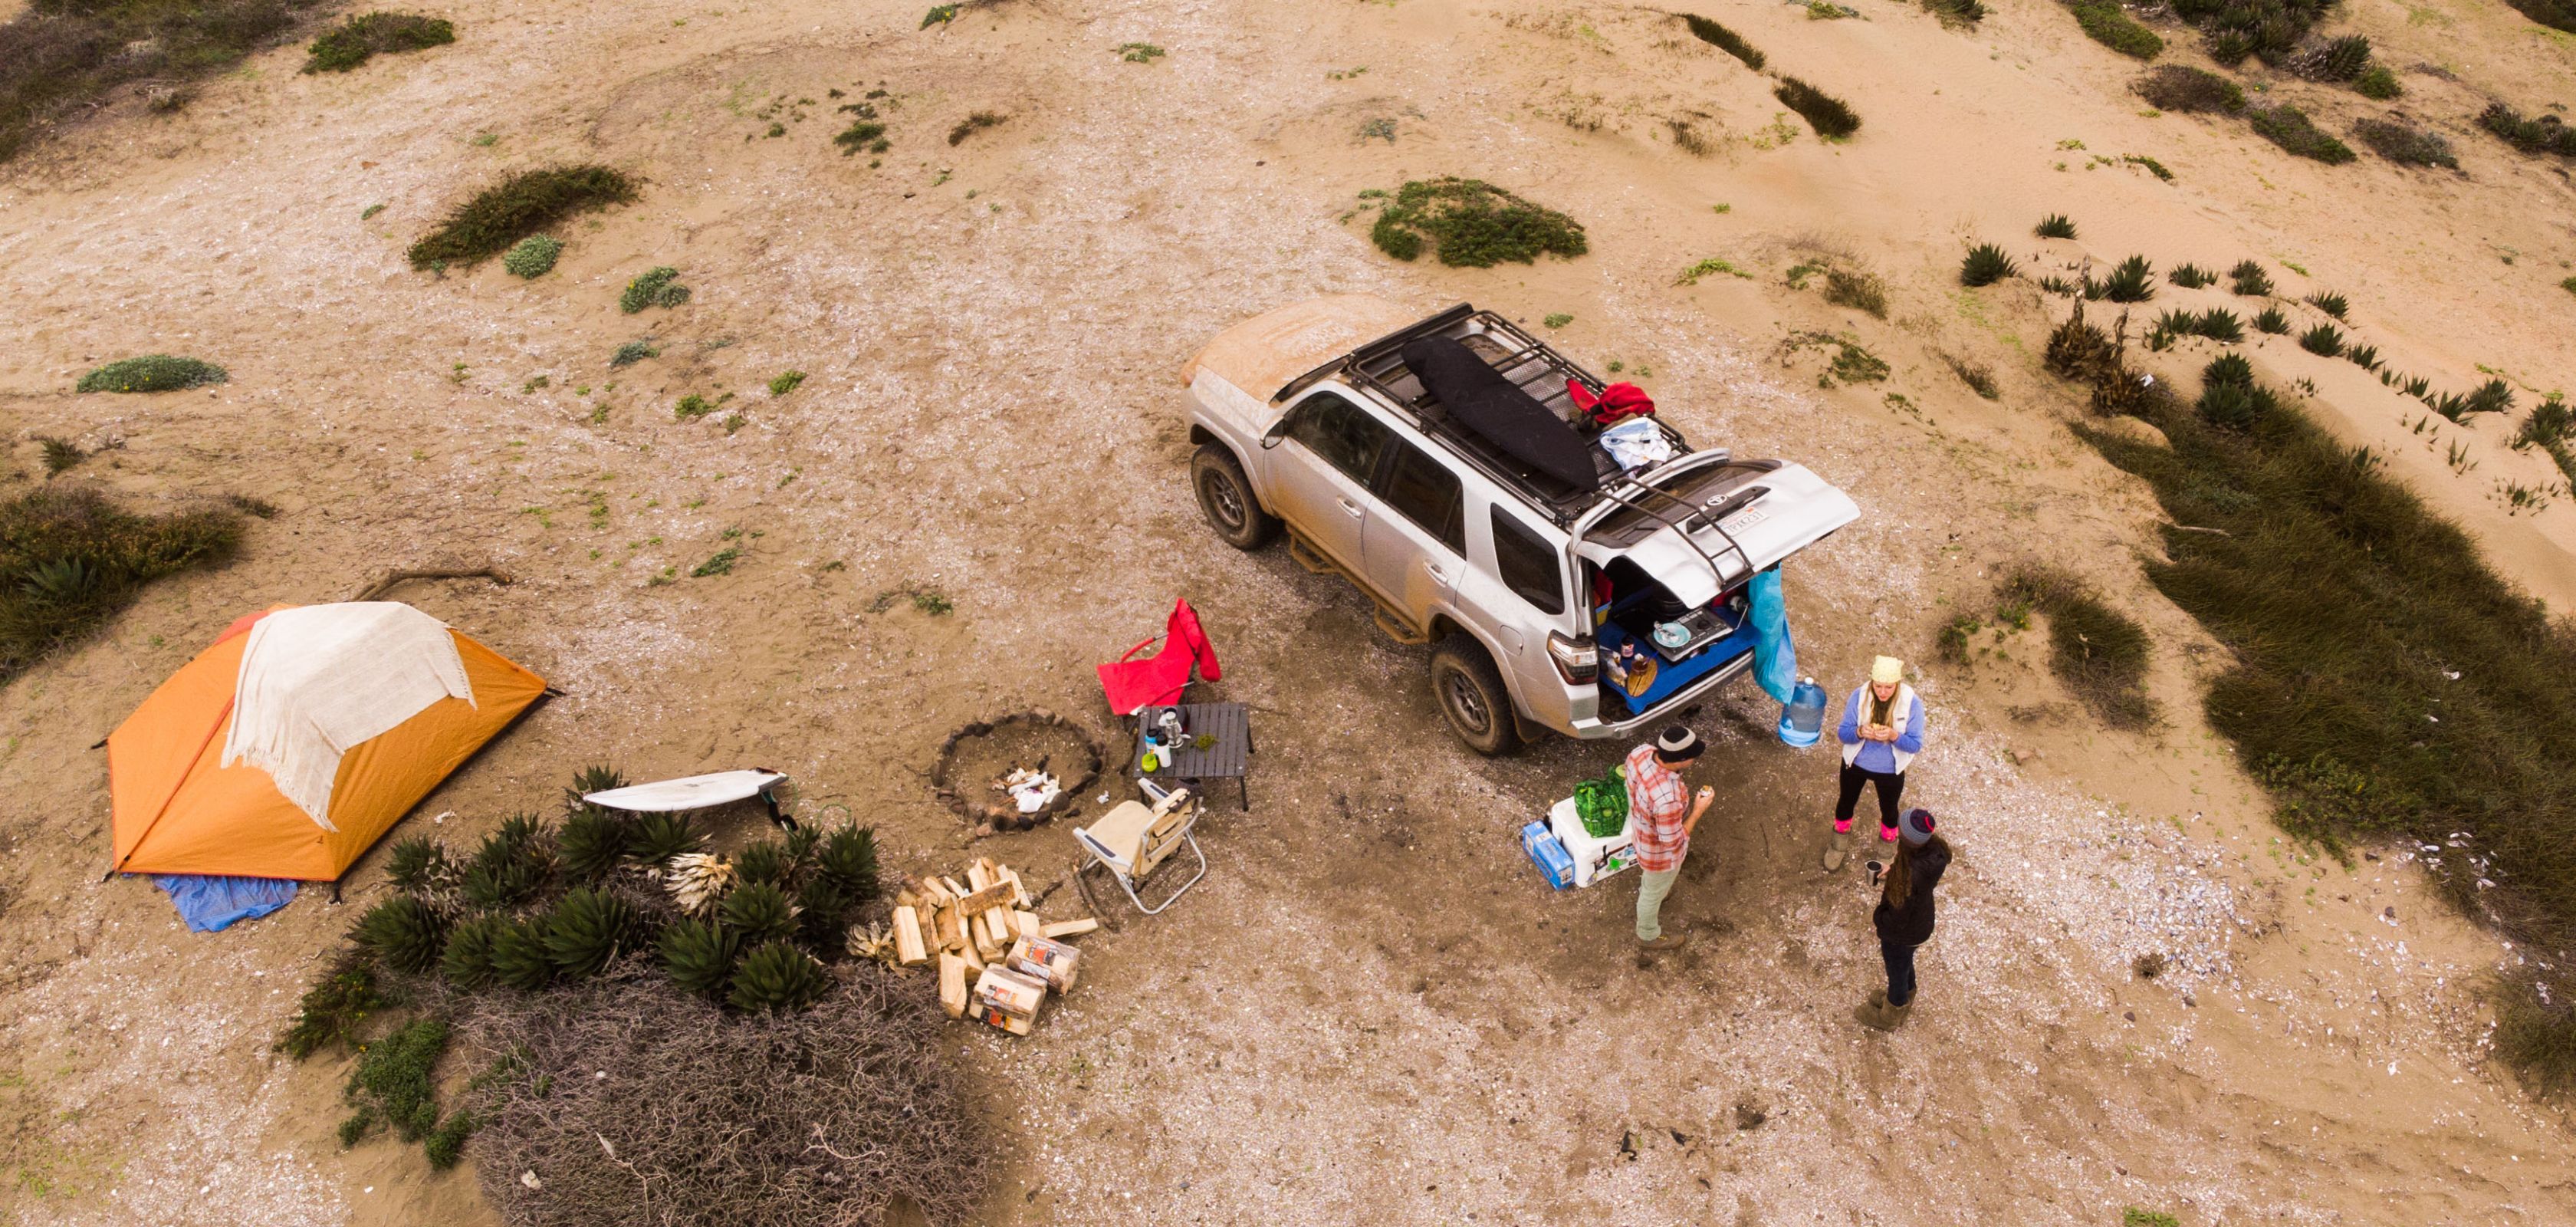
{"points": [[1531, 365]]}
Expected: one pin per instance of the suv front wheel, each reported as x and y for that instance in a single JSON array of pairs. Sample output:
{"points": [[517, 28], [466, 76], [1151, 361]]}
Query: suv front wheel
{"points": [[1472, 698], [1225, 498]]}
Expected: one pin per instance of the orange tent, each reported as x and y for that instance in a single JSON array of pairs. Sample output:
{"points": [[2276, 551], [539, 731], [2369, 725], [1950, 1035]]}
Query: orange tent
{"points": [[179, 810]]}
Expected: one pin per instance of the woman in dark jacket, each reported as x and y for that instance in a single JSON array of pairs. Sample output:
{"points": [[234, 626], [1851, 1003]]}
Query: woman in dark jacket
{"points": [[1904, 917]]}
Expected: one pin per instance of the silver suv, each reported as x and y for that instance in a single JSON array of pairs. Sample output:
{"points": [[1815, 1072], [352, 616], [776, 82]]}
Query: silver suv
{"points": [[1476, 504]]}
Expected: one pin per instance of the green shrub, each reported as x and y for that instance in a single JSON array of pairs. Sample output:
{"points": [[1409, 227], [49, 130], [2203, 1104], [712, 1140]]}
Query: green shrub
{"points": [[2288, 127], [2105, 22], [822, 915], [2556, 14], [2377, 82], [778, 977], [402, 932], [152, 373], [517, 207], [335, 1008], [2191, 276], [1956, 14], [467, 964], [1473, 224], [2054, 226], [864, 134], [2404, 145], [1723, 39], [512, 864], [588, 928], [848, 856], [2331, 304], [2176, 87], [2229, 397], [417, 863], [592, 842], [395, 1077], [2322, 340], [786, 383], [765, 861], [2545, 134], [759, 911], [2134, 1217], [60, 454], [633, 352], [699, 955], [2097, 651], [1139, 53], [721, 562], [973, 124], [446, 1144], [355, 40], [533, 256], [1985, 264], [655, 287], [1859, 291], [1829, 116]]}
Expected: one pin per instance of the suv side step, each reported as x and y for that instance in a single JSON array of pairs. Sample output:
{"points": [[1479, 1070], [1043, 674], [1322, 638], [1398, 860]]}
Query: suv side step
{"points": [[1314, 561]]}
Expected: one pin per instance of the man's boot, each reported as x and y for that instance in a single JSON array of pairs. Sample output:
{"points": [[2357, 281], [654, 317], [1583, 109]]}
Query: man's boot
{"points": [[1877, 1015], [1669, 941]]}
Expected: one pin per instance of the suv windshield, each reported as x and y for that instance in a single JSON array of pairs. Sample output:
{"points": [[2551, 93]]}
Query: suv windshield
{"points": [[1697, 488]]}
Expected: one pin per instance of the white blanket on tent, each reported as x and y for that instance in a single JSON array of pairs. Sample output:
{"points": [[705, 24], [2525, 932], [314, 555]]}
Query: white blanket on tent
{"points": [[320, 679]]}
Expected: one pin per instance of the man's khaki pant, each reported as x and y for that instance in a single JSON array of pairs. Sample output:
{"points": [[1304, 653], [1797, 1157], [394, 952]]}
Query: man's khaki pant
{"points": [[1651, 889]]}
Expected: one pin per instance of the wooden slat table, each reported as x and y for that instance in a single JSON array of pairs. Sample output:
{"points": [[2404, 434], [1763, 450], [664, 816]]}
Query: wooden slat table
{"points": [[1229, 723]]}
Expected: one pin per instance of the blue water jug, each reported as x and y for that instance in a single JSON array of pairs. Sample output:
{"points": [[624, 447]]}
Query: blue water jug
{"points": [[1803, 720]]}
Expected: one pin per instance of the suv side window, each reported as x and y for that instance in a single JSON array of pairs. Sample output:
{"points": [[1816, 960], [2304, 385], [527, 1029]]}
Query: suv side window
{"points": [[1340, 432], [1426, 492], [1527, 565]]}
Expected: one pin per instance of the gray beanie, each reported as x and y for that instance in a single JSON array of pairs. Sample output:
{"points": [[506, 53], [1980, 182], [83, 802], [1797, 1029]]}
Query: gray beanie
{"points": [[1917, 827]]}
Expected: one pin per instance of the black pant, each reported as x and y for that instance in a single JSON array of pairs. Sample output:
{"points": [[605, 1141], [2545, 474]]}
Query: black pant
{"points": [[1891, 785], [1900, 970]]}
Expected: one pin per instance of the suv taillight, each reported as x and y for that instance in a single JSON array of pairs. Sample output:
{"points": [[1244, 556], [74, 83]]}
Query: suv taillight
{"points": [[1577, 660]]}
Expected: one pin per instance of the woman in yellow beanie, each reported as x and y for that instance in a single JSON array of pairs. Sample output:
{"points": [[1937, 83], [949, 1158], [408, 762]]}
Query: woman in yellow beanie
{"points": [[1882, 731]]}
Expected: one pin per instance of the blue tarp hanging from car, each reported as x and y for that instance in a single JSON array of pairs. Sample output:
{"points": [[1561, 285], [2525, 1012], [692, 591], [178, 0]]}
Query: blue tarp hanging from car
{"points": [[211, 902], [1775, 658]]}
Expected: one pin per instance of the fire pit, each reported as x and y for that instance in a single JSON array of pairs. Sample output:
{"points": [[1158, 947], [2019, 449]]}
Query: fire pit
{"points": [[979, 764]]}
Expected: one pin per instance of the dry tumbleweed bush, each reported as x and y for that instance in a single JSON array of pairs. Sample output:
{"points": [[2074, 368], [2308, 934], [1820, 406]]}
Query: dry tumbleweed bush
{"points": [[633, 1103]]}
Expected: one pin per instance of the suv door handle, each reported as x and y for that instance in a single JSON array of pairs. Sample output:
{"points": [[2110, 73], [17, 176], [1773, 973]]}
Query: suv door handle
{"points": [[1354, 509], [1437, 575]]}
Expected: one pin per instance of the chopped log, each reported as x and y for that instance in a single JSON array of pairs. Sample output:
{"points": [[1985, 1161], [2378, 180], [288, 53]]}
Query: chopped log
{"points": [[908, 947], [948, 929], [996, 895], [978, 877], [1027, 924], [1069, 928], [1019, 889], [952, 985]]}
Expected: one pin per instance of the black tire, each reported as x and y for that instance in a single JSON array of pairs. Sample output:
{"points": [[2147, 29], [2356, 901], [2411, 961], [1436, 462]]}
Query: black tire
{"points": [[1471, 697], [1225, 498]]}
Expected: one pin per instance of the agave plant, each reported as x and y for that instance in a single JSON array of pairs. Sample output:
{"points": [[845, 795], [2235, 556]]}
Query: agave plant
{"points": [[418, 863], [593, 842], [699, 955], [467, 964], [2331, 304], [2228, 369], [2232, 406], [2493, 396], [1985, 264], [519, 956], [2160, 338], [766, 861], [2271, 320], [2229, 47], [2055, 226], [659, 837], [696, 880], [2249, 279], [403, 932], [2220, 324], [778, 976], [801, 843], [2323, 340], [2191, 276], [2364, 356], [759, 911], [2339, 60], [2055, 284], [2134, 280], [849, 858], [821, 911], [587, 928], [61, 581], [2416, 386], [504, 881], [598, 777]]}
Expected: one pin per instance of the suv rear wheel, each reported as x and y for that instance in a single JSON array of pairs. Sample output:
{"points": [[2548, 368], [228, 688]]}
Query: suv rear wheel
{"points": [[1225, 498], [1472, 698]]}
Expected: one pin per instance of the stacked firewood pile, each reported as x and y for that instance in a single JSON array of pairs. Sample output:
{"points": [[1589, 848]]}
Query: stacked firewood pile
{"points": [[996, 958]]}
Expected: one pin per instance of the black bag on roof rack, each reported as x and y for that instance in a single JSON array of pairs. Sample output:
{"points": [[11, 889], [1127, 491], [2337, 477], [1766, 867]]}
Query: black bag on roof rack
{"points": [[1480, 399]]}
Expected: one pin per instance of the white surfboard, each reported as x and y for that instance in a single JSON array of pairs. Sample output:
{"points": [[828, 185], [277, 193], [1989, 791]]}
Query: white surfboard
{"points": [[687, 792]]}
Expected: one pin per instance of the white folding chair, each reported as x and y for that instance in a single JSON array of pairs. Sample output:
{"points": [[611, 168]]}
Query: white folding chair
{"points": [[1133, 840]]}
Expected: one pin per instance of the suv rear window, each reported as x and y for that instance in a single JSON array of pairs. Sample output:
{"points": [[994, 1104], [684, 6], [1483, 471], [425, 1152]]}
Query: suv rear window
{"points": [[1426, 492], [1340, 432], [1527, 565]]}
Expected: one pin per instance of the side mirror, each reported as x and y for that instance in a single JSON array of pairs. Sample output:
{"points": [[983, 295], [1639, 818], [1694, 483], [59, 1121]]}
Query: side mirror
{"points": [[1276, 434]]}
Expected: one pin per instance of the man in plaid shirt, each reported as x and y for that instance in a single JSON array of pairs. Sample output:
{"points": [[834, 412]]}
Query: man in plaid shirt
{"points": [[1664, 812]]}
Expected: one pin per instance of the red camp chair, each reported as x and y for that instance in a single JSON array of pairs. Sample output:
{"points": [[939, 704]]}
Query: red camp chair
{"points": [[1132, 685]]}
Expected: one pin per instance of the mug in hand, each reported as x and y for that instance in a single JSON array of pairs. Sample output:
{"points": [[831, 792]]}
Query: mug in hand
{"points": [[1875, 869]]}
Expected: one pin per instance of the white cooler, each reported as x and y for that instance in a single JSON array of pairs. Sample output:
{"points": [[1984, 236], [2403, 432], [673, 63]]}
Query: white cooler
{"points": [[1594, 857]]}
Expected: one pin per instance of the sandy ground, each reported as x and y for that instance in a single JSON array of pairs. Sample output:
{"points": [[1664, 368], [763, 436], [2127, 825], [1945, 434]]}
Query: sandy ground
{"points": [[1371, 1010]]}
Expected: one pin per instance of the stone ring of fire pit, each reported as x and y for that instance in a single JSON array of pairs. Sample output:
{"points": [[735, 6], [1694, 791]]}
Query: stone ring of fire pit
{"points": [[986, 810]]}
